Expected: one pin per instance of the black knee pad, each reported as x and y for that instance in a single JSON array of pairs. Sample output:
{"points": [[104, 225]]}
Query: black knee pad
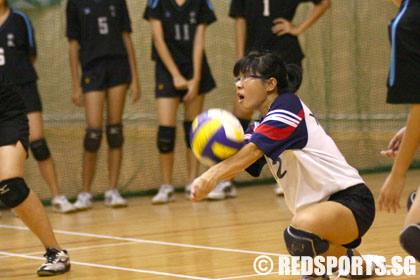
{"points": [[244, 123], [93, 139], [410, 200], [302, 243], [166, 139], [114, 135], [410, 240], [13, 192], [40, 150], [187, 130]]}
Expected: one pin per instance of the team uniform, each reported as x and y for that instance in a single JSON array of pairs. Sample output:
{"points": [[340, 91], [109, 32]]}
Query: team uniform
{"points": [[306, 163], [98, 26], [17, 46], [404, 74], [179, 25], [259, 16]]}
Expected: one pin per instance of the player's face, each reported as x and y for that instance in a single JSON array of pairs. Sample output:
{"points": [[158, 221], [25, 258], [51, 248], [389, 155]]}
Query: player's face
{"points": [[250, 91]]}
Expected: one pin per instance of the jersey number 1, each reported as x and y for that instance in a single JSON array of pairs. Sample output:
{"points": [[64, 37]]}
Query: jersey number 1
{"points": [[103, 25], [2, 57]]}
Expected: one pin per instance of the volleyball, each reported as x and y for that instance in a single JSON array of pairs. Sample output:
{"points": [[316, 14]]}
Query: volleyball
{"points": [[215, 135]]}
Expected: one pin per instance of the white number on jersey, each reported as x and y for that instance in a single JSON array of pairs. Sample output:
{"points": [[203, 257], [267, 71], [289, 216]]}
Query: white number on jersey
{"points": [[2, 57], [186, 30], [103, 25], [266, 11]]}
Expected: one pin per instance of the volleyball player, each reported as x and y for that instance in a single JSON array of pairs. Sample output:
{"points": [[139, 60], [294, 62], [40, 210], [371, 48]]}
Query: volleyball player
{"points": [[404, 88], [267, 25], [14, 193], [17, 55], [99, 34], [332, 206], [182, 74]]}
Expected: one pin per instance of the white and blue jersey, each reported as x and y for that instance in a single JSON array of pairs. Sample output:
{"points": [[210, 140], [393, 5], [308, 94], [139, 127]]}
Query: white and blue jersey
{"points": [[303, 159]]}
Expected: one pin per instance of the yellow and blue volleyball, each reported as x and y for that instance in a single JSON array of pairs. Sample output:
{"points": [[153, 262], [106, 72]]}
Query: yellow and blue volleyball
{"points": [[215, 135]]}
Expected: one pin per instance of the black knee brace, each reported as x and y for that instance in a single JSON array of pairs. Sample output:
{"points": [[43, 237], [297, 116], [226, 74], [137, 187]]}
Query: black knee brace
{"points": [[166, 139], [302, 243], [13, 192], [244, 123], [93, 139], [187, 130], [114, 135], [409, 240], [40, 149]]}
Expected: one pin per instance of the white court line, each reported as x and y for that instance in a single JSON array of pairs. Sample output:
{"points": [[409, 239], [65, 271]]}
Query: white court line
{"points": [[152, 241], [115, 267], [246, 276]]}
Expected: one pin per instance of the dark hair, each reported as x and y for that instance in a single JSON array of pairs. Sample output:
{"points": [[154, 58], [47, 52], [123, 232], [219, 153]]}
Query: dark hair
{"points": [[270, 65]]}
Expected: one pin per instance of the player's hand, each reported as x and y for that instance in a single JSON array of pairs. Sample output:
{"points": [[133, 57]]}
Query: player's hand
{"points": [[78, 97], [193, 88], [201, 187], [394, 144], [180, 83], [283, 26], [389, 197], [134, 91]]}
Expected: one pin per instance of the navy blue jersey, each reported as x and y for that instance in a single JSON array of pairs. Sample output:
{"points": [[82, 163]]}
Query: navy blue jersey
{"points": [[179, 25], [98, 26], [259, 16], [17, 46]]}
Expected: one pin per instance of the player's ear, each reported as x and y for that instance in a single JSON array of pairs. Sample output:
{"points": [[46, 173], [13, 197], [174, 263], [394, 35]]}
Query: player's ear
{"points": [[271, 84]]}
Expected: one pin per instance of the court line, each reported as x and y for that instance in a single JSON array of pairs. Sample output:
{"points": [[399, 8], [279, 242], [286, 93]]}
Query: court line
{"points": [[152, 241], [115, 267]]}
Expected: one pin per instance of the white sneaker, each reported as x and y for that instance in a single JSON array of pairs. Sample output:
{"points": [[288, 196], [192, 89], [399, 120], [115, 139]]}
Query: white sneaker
{"points": [[166, 194], [187, 191], [57, 262], [114, 199], [278, 190], [62, 205], [224, 189], [84, 201]]}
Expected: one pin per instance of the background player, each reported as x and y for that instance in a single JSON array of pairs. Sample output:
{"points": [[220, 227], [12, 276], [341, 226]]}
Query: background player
{"points": [[17, 54], [102, 31], [182, 75], [14, 192], [267, 25], [404, 88], [332, 206]]}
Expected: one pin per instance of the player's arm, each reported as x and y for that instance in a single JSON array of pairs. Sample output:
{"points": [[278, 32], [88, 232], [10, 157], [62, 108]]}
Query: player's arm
{"points": [[224, 170], [74, 70], [134, 86], [283, 26], [158, 39], [240, 36], [198, 50]]}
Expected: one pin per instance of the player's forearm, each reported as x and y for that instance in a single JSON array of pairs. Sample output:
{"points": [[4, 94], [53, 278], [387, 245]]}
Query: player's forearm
{"points": [[410, 142], [74, 62], [198, 51], [131, 55], [316, 13], [240, 37]]}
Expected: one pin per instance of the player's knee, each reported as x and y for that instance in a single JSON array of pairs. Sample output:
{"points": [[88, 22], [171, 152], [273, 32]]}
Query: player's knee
{"points": [[187, 129], [409, 240], [302, 243], [114, 135], [13, 192], [40, 149], [93, 139], [166, 139]]}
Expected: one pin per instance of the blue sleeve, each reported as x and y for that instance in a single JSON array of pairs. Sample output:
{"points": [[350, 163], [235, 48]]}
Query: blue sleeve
{"points": [[153, 10], [30, 35]]}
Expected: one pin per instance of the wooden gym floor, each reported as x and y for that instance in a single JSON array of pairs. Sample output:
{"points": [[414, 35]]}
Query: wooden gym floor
{"points": [[182, 240]]}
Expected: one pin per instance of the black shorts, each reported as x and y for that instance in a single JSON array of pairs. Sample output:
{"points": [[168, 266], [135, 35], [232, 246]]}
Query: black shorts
{"points": [[30, 94], [360, 201], [404, 73], [105, 73], [14, 125], [164, 84]]}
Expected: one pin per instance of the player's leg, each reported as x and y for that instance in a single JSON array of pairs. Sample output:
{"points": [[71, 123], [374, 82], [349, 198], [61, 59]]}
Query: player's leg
{"points": [[16, 194], [410, 235], [46, 164], [114, 134]]}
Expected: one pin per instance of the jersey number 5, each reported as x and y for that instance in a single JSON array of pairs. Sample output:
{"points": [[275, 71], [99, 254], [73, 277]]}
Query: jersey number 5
{"points": [[103, 25], [2, 57], [266, 11]]}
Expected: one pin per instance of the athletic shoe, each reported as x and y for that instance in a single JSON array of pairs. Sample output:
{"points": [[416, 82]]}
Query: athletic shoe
{"points": [[114, 199], [84, 201], [278, 190], [410, 200], [224, 189], [62, 205], [166, 194], [58, 262], [188, 191]]}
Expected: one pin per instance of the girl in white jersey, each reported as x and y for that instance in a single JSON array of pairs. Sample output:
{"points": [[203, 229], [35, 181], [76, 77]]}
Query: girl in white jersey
{"points": [[332, 206]]}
